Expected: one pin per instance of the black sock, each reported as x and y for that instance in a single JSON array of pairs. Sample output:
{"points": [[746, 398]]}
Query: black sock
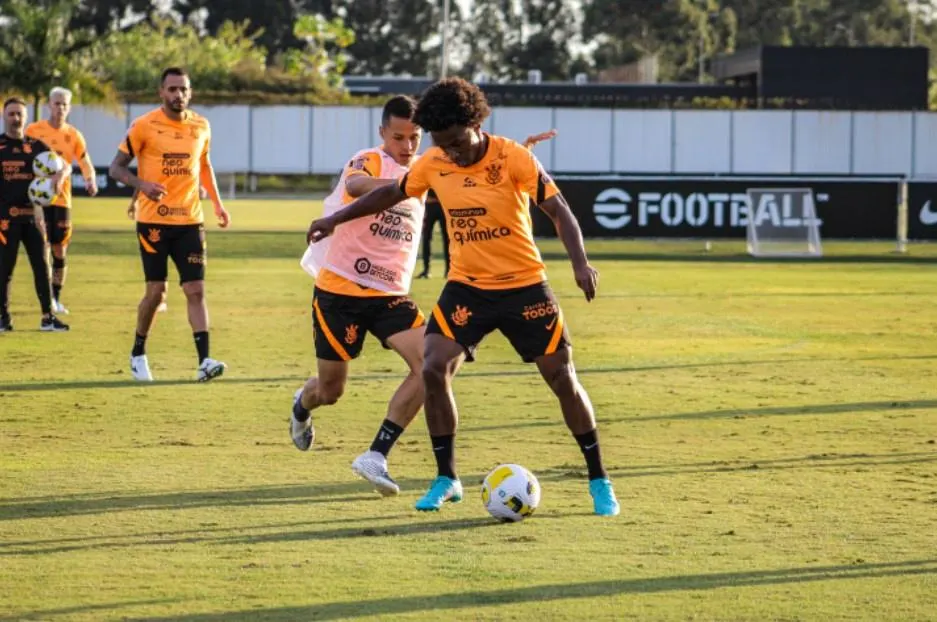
{"points": [[589, 444], [300, 413], [201, 344], [386, 437], [139, 345], [444, 450], [56, 291]]}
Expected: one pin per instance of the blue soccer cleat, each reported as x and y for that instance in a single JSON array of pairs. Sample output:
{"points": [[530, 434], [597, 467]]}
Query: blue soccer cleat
{"points": [[603, 497], [441, 490]]}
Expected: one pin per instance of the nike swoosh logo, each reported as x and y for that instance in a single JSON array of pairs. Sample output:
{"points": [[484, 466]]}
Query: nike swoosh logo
{"points": [[445, 173], [552, 323], [588, 447], [928, 215]]}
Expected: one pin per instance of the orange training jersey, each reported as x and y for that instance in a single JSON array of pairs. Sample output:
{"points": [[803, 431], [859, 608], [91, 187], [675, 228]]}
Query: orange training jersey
{"points": [[66, 141], [170, 153], [491, 240]]}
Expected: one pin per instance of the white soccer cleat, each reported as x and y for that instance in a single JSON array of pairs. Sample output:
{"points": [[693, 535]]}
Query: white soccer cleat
{"points": [[140, 368], [162, 308], [372, 466], [210, 368], [58, 307], [302, 432]]}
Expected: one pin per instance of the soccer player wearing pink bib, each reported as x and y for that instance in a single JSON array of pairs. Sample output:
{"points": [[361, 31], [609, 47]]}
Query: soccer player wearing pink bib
{"points": [[363, 280]]}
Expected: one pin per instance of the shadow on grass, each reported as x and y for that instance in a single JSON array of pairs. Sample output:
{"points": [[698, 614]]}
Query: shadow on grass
{"points": [[45, 614], [352, 491], [732, 413], [821, 461], [438, 603], [373, 528], [117, 539], [527, 371]]}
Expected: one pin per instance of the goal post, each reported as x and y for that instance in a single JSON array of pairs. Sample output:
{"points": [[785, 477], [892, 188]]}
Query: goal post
{"points": [[782, 222]]}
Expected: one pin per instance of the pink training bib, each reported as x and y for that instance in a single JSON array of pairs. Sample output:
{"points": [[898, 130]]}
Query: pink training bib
{"points": [[378, 251]]}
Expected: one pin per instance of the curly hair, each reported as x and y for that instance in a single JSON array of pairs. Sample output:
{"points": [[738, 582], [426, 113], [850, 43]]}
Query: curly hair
{"points": [[449, 102]]}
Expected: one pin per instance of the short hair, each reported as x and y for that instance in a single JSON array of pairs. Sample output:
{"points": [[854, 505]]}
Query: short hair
{"points": [[401, 106], [172, 71], [450, 102], [60, 90], [14, 100]]}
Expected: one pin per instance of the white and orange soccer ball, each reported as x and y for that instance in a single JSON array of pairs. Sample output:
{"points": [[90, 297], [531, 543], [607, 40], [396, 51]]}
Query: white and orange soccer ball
{"points": [[47, 164], [41, 191], [510, 493]]}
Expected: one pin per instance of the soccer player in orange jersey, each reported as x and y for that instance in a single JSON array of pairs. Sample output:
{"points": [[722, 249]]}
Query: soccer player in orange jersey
{"points": [[497, 280], [171, 146], [69, 143]]}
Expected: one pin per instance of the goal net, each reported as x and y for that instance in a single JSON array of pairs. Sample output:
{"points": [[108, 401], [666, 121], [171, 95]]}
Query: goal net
{"points": [[782, 222]]}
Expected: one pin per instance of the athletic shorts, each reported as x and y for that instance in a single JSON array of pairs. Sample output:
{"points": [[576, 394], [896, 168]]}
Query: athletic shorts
{"points": [[340, 322], [185, 244], [58, 224], [530, 317]]}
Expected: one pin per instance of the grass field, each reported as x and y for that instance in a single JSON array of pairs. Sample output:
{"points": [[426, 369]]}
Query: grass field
{"points": [[770, 428]]}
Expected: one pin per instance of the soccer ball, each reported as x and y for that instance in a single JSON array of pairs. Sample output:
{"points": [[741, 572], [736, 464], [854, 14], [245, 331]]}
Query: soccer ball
{"points": [[41, 191], [47, 164], [510, 493]]}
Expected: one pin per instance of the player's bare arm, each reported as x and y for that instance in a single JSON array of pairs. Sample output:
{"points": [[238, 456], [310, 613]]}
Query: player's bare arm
{"points": [[120, 171], [360, 185], [59, 178], [87, 171], [210, 184], [373, 202], [132, 208], [567, 227]]}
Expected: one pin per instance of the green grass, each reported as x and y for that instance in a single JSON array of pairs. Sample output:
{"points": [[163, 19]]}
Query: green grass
{"points": [[770, 428]]}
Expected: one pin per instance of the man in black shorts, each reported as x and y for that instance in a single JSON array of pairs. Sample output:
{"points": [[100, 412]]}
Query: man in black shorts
{"points": [[20, 221]]}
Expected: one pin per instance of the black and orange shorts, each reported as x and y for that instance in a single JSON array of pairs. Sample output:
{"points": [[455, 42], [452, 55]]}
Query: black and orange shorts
{"points": [[530, 317], [185, 244], [341, 322], [58, 224]]}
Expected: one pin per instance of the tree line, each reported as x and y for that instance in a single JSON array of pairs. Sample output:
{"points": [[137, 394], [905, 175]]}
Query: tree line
{"points": [[106, 50]]}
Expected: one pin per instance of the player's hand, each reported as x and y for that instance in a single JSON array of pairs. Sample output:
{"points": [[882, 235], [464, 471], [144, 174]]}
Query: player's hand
{"points": [[132, 210], [539, 138], [152, 190], [59, 180], [587, 278], [224, 218], [320, 229], [91, 185]]}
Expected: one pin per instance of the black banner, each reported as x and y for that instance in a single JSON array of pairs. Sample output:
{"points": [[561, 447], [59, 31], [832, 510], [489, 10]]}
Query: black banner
{"points": [[719, 208], [922, 210], [107, 187]]}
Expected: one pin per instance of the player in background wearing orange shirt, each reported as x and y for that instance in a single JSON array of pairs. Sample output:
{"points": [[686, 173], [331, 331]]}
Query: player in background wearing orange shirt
{"points": [[171, 145], [69, 143], [497, 280]]}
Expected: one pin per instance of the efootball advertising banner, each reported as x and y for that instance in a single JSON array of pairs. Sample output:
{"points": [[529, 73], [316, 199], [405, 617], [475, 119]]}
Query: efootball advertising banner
{"points": [[720, 208]]}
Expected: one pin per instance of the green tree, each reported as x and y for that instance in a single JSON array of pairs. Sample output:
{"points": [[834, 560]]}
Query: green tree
{"points": [[324, 53], [106, 16], [39, 50], [489, 29], [272, 19], [134, 59]]}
